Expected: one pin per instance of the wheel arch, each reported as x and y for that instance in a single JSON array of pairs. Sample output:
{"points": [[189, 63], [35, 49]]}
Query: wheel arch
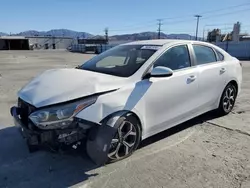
{"points": [[112, 118], [234, 82]]}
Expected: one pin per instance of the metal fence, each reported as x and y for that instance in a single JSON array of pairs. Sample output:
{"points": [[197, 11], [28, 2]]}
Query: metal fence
{"points": [[239, 50]]}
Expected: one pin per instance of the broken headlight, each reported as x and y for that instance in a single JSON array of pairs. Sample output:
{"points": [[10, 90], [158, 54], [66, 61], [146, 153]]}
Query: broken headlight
{"points": [[59, 116]]}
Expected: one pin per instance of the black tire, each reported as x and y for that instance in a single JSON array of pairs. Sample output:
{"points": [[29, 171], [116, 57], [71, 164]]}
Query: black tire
{"points": [[124, 123], [227, 100], [32, 148]]}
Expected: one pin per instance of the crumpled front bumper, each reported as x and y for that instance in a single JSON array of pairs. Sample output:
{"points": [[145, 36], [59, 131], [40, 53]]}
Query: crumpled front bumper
{"points": [[96, 137], [53, 138]]}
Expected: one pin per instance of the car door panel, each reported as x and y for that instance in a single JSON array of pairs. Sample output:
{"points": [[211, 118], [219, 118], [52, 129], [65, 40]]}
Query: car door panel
{"points": [[212, 78], [169, 100]]}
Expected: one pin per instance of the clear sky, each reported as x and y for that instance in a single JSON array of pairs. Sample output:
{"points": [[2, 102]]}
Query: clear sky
{"points": [[122, 16]]}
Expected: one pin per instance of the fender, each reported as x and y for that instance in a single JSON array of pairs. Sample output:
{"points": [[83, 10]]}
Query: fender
{"points": [[100, 137]]}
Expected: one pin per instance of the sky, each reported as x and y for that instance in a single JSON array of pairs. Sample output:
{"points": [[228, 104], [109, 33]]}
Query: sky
{"points": [[123, 16]]}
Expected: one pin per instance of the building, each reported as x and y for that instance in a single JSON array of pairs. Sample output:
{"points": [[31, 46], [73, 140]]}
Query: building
{"points": [[35, 42], [245, 37], [214, 35], [14, 43], [236, 32], [50, 42]]}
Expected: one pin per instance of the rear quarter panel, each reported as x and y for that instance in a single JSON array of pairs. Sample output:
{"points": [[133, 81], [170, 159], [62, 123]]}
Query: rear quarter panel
{"points": [[234, 71]]}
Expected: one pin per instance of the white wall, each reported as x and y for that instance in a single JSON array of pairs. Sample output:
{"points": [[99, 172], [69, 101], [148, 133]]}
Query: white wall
{"points": [[60, 43]]}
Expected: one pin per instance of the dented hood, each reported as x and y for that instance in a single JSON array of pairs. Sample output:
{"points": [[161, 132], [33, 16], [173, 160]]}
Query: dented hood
{"points": [[60, 85]]}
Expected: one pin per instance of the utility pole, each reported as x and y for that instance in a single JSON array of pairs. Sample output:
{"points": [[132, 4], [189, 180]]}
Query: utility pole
{"points": [[197, 26], [106, 30], [159, 28]]}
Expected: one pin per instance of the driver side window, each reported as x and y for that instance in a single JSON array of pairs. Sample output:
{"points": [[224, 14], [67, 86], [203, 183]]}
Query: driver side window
{"points": [[175, 58]]}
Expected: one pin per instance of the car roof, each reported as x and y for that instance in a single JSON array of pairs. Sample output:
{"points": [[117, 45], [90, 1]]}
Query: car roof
{"points": [[166, 41], [157, 42], [170, 42]]}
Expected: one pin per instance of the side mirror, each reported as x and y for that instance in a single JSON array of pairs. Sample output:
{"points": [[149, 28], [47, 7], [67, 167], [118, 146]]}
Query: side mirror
{"points": [[161, 71]]}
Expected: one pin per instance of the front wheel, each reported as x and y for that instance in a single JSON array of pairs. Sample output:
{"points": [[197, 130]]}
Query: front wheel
{"points": [[126, 140], [227, 100]]}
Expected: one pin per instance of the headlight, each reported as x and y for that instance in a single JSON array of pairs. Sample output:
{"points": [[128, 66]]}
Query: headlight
{"points": [[59, 116]]}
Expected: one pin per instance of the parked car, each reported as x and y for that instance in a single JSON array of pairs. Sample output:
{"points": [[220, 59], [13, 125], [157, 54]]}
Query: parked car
{"points": [[125, 95]]}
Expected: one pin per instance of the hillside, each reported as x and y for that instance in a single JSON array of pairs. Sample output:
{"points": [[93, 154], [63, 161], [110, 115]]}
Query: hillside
{"points": [[3, 34], [55, 32], [123, 37]]}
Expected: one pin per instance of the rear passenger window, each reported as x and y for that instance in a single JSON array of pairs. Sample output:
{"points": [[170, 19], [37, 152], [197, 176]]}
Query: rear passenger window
{"points": [[204, 54], [220, 56]]}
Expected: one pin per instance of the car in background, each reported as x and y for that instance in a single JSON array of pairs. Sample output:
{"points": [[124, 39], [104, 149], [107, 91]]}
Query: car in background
{"points": [[125, 95]]}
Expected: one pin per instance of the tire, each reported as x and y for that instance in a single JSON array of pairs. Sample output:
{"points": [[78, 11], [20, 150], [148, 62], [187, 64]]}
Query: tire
{"points": [[32, 148], [126, 140], [227, 100]]}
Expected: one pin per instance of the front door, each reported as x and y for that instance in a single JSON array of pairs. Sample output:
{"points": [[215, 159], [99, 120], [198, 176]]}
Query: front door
{"points": [[170, 100]]}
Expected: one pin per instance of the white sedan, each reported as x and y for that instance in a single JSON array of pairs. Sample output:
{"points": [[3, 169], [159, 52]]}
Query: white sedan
{"points": [[125, 95]]}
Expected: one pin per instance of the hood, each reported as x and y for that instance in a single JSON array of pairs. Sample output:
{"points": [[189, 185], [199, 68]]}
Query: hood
{"points": [[60, 85]]}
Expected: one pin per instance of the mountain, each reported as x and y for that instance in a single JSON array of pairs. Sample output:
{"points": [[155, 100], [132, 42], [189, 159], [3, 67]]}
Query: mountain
{"points": [[55, 32], [3, 34], [151, 35], [137, 36], [123, 37]]}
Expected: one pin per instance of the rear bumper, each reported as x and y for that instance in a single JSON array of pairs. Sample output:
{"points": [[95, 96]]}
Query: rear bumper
{"points": [[52, 138]]}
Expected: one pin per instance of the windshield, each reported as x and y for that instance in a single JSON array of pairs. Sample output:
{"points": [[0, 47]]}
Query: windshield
{"points": [[121, 61]]}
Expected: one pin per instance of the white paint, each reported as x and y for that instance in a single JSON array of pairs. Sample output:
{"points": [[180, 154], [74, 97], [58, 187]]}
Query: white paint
{"points": [[160, 103], [60, 85]]}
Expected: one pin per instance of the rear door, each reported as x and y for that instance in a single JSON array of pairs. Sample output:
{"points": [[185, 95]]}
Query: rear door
{"points": [[212, 75]]}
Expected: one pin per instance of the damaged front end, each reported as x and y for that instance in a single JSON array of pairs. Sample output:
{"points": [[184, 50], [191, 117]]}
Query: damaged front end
{"points": [[56, 129]]}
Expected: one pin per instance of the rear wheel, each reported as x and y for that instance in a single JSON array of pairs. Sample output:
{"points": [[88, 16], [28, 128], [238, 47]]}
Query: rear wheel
{"points": [[126, 140], [227, 100]]}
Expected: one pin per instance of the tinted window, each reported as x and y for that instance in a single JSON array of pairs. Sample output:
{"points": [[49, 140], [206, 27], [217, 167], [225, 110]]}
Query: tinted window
{"points": [[122, 60], [220, 56], [175, 58], [204, 54]]}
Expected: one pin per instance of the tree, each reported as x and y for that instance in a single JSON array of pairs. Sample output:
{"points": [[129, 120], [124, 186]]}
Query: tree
{"points": [[212, 35]]}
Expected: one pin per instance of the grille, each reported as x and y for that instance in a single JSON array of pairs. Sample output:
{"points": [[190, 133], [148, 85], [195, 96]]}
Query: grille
{"points": [[25, 110]]}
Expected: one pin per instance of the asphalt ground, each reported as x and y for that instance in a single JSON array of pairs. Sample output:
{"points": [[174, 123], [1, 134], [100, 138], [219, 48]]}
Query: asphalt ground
{"points": [[204, 152]]}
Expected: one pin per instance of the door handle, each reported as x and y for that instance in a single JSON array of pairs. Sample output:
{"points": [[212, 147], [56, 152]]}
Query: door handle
{"points": [[222, 70], [191, 78]]}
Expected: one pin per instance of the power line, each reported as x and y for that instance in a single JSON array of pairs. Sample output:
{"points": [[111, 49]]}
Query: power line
{"points": [[144, 24], [226, 8], [149, 23], [177, 22], [135, 27], [207, 12], [224, 14], [159, 28]]}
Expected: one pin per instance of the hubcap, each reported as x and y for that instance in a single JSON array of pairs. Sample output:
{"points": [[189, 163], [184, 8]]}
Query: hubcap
{"points": [[228, 99], [122, 144]]}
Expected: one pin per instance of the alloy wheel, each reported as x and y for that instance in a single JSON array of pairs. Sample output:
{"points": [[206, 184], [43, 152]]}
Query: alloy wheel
{"points": [[229, 99], [124, 141]]}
